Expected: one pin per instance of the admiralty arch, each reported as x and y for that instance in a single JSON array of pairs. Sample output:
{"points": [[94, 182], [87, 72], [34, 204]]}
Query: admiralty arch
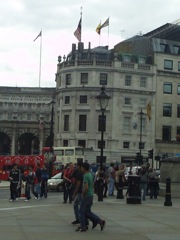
{"points": [[25, 119]]}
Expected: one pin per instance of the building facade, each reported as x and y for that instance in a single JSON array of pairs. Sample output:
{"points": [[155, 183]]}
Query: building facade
{"points": [[130, 85], [162, 49], [25, 115]]}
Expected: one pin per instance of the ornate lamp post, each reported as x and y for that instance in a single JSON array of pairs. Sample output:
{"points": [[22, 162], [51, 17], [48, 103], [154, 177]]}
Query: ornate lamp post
{"points": [[103, 98], [52, 125], [51, 142]]}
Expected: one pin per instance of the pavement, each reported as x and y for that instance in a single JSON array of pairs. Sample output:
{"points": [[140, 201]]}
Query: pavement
{"points": [[50, 219]]}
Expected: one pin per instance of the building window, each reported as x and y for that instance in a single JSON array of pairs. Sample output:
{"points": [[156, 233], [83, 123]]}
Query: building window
{"points": [[68, 79], [126, 58], [178, 110], [82, 143], [127, 101], [168, 64], [125, 144], [143, 81], [65, 143], [164, 47], [9, 116], [102, 124], [83, 99], [84, 78], [166, 133], [142, 60], [167, 88], [141, 145], [167, 109], [142, 102], [178, 89], [178, 134], [103, 78], [99, 144], [127, 80], [66, 122], [28, 117], [82, 122], [178, 66], [176, 49], [127, 124], [67, 100]]}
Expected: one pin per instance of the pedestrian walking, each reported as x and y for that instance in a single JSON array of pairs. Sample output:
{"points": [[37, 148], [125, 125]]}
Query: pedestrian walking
{"points": [[38, 180], [44, 179], [143, 181], [77, 195], [153, 184], [30, 184], [69, 183], [111, 179], [87, 201], [14, 178]]}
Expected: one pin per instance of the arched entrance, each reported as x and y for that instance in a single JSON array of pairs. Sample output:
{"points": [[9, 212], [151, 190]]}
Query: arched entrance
{"points": [[5, 144], [28, 144]]}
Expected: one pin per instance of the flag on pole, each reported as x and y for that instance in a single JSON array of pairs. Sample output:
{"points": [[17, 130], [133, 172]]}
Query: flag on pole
{"points": [[98, 29], [148, 108], [105, 24], [39, 35], [77, 33]]}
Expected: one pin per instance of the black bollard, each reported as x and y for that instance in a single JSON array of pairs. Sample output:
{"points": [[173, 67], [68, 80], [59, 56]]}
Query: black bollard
{"points": [[120, 189], [100, 188], [168, 193], [134, 193]]}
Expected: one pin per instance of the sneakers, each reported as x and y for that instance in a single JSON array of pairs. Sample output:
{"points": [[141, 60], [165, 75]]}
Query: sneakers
{"points": [[11, 200], [79, 229], [102, 224], [26, 200], [75, 222]]}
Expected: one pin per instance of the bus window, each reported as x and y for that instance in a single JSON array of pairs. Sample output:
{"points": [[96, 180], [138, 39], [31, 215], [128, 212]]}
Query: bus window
{"points": [[69, 152], [59, 152], [79, 151]]}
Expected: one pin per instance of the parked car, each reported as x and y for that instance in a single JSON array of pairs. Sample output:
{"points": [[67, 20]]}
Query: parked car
{"points": [[55, 183]]}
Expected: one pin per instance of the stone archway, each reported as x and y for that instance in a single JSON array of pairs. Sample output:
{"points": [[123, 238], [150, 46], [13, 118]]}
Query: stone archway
{"points": [[28, 144], [5, 144]]}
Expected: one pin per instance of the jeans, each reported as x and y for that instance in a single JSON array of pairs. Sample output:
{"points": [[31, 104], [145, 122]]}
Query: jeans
{"points": [[27, 191], [86, 213], [38, 189], [111, 186], [76, 205], [143, 187]]}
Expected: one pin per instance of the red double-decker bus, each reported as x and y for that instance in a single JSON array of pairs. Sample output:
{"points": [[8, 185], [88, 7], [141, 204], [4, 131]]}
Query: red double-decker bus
{"points": [[23, 162]]}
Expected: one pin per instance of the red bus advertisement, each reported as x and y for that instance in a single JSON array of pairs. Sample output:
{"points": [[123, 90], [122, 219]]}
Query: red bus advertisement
{"points": [[23, 162]]}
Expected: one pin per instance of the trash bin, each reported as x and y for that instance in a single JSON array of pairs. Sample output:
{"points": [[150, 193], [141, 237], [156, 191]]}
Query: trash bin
{"points": [[134, 193]]}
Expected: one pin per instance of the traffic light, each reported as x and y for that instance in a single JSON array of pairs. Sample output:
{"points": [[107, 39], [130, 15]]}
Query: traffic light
{"points": [[139, 159], [150, 154]]}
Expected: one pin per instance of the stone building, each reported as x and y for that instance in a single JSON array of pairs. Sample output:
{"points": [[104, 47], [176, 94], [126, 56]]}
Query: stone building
{"points": [[131, 85], [139, 71], [161, 47], [25, 115]]}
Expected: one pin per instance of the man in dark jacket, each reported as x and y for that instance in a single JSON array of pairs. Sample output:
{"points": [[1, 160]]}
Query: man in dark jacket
{"points": [[14, 178], [38, 180]]}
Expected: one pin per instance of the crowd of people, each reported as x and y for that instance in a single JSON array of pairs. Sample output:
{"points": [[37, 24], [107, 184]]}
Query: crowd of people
{"points": [[34, 182], [79, 185]]}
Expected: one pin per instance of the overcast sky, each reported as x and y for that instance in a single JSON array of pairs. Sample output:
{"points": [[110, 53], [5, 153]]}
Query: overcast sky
{"points": [[22, 20]]}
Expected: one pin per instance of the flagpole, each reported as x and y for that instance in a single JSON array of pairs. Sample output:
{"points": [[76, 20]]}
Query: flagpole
{"points": [[108, 35], [81, 22], [40, 61]]}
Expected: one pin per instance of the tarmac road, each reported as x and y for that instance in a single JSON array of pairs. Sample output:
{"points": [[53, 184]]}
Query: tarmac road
{"points": [[50, 219]]}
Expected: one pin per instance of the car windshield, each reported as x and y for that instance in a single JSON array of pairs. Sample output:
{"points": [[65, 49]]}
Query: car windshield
{"points": [[57, 176]]}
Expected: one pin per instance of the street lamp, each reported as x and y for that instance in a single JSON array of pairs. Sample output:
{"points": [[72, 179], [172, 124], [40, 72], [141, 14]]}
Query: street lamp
{"points": [[140, 160], [52, 125], [51, 138], [103, 98]]}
